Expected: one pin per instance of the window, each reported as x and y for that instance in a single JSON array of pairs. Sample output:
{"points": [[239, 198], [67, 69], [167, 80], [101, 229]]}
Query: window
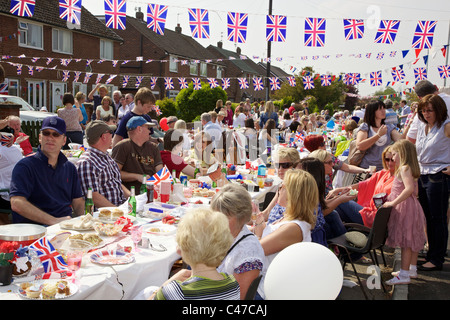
{"points": [[194, 68], [173, 64], [219, 72], [106, 49], [62, 41], [31, 35], [13, 87], [203, 69]]}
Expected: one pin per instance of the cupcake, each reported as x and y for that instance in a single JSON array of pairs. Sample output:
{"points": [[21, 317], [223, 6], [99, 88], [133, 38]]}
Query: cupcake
{"points": [[33, 291], [49, 291], [63, 287]]}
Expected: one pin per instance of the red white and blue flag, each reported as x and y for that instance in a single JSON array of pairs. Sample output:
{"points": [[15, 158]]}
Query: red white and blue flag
{"points": [[276, 28], [183, 83], [212, 83], [153, 81], [420, 73], [274, 83], [125, 80], [315, 32], [197, 83], [375, 79], [258, 83], [225, 83], [199, 22], [138, 81], [353, 29], [444, 71], [292, 81], [51, 259], [70, 10], [353, 78], [308, 82], [325, 80], [398, 74], [161, 175], [66, 75], [237, 26], [156, 17], [23, 8], [116, 14], [243, 84], [387, 31], [168, 83], [423, 36], [4, 88]]}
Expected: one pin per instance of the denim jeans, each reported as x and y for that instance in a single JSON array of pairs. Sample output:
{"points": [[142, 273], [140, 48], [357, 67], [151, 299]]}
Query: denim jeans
{"points": [[433, 196], [333, 225], [349, 212]]}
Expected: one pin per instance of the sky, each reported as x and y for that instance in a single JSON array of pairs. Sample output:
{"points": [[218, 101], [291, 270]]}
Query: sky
{"points": [[334, 11]]}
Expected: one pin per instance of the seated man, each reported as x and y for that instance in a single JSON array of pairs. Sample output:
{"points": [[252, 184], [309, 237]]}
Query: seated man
{"points": [[45, 187], [213, 129], [97, 170], [137, 156]]}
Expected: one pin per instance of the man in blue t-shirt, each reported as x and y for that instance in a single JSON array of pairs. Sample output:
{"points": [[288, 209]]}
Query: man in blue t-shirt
{"points": [[44, 187]]}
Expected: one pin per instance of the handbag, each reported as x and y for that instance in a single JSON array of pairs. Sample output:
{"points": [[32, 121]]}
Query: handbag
{"points": [[355, 155]]}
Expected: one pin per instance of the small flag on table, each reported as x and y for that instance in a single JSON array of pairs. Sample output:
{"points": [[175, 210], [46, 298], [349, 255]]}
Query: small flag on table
{"points": [[51, 260], [161, 175]]}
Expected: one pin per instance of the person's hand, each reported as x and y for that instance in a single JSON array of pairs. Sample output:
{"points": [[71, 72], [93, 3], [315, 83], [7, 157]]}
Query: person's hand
{"points": [[388, 204], [182, 275], [447, 170], [336, 192], [345, 197], [21, 139], [383, 130]]}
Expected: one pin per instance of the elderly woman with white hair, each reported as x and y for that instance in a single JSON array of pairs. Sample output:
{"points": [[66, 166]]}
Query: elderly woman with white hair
{"points": [[245, 259]]}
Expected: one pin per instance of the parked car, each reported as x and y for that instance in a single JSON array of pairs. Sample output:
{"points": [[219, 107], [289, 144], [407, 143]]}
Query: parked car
{"points": [[26, 112]]}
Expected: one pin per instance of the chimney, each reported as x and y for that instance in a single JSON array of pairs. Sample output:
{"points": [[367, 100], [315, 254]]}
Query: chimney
{"points": [[219, 44], [139, 15], [238, 50], [178, 28]]}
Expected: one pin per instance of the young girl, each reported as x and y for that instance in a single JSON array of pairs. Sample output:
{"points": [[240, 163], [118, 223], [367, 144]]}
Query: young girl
{"points": [[406, 226]]}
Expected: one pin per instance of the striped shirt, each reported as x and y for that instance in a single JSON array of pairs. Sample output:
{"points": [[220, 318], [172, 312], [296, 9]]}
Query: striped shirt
{"points": [[97, 170], [200, 288]]}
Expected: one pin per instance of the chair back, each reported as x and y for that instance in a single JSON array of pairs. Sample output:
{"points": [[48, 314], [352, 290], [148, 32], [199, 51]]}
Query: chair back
{"points": [[378, 233], [251, 292]]}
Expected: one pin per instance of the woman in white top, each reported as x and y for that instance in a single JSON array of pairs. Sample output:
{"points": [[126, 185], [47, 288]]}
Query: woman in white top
{"points": [[105, 109], [239, 118], [300, 195]]}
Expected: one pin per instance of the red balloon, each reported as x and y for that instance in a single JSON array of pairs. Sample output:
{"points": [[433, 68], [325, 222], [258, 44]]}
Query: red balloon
{"points": [[163, 124]]}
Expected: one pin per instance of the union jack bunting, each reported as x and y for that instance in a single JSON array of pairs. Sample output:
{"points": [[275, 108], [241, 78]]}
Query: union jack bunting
{"points": [[88, 62], [157, 110], [274, 83], [398, 74], [225, 83], [70, 10], [212, 82], [184, 62], [444, 71], [315, 32], [258, 84], [153, 81], [353, 29], [99, 78], [161, 175], [199, 22], [380, 55], [66, 74], [423, 36], [156, 17], [243, 84], [183, 83], [125, 81], [19, 69], [116, 14], [237, 26], [114, 63], [292, 81], [276, 28], [87, 77], [50, 258], [197, 83], [30, 70], [325, 80], [308, 82], [353, 78], [346, 79], [76, 76], [23, 8], [4, 88], [49, 60], [139, 80], [375, 79], [111, 78], [168, 83], [387, 31], [420, 73]]}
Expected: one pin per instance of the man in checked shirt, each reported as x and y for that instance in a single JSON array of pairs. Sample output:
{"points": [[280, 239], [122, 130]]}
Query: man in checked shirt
{"points": [[97, 170]]}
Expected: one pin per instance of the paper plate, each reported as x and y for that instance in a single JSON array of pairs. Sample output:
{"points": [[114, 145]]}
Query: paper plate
{"points": [[73, 290], [112, 257], [161, 229]]}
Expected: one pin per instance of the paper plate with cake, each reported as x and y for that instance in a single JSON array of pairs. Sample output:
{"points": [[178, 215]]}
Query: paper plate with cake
{"points": [[47, 290], [111, 214], [112, 257], [83, 223], [160, 229]]}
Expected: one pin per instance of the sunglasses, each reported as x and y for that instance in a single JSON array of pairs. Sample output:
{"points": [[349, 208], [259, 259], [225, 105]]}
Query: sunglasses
{"points": [[388, 159], [285, 165], [52, 133]]}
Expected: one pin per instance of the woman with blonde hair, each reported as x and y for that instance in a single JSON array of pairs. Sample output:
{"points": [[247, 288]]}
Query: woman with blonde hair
{"points": [[299, 187], [181, 125], [269, 113], [80, 99], [105, 108]]}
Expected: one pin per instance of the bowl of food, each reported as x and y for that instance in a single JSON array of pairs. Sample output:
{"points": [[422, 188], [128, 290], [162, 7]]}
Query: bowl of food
{"points": [[108, 229]]}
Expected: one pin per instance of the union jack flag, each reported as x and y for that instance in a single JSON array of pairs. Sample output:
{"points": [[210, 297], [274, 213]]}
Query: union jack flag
{"points": [[87, 77], [444, 71], [274, 83], [308, 82], [325, 80], [315, 32], [153, 82], [66, 75], [161, 175], [51, 260], [4, 88], [292, 81], [276, 28], [243, 84], [199, 22], [212, 83], [420, 73], [157, 110], [6, 138], [197, 83], [375, 79], [168, 83], [19, 69], [299, 137], [139, 80], [125, 80], [398, 74], [183, 83], [156, 17], [225, 83], [258, 84], [387, 31], [111, 78], [23, 8], [116, 14], [423, 36], [70, 10], [76, 76], [353, 29], [237, 26], [380, 55], [30, 70], [353, 78]]}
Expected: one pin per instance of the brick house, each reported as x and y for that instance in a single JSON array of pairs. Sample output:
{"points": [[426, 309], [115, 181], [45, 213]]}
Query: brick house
{"points": [[275, 72], [45, 35]]}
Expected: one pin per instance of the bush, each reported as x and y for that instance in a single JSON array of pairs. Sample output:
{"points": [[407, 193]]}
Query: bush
{"points": [[168, 107]]}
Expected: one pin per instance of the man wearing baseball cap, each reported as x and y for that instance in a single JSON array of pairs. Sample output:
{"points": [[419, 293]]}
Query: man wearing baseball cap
{"points": [[137, 156], [45, 187], [98, 171]]}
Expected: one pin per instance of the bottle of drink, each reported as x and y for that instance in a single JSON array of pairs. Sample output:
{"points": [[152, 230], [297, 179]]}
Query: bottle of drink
{"points": [[197, 169], [150, 192], [89, 203], [132, 203], [143, 185], [174, 176]]}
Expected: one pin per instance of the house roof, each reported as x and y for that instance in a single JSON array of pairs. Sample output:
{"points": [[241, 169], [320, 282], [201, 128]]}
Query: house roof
{"points": [[47, 12]]}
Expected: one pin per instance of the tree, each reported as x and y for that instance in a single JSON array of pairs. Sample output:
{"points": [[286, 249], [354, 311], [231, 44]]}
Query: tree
{"points": [[388, 93]]}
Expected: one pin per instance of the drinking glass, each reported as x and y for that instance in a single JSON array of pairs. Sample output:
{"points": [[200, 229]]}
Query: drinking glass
{"points": [[136, 236], [255, 212]]}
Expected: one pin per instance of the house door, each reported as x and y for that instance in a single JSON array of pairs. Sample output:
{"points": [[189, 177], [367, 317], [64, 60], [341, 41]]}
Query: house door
{"points": [[37, 94], [58, 90]]}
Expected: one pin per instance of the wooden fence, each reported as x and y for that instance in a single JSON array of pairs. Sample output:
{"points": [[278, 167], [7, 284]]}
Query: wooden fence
{"points": [[32, 129]]}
